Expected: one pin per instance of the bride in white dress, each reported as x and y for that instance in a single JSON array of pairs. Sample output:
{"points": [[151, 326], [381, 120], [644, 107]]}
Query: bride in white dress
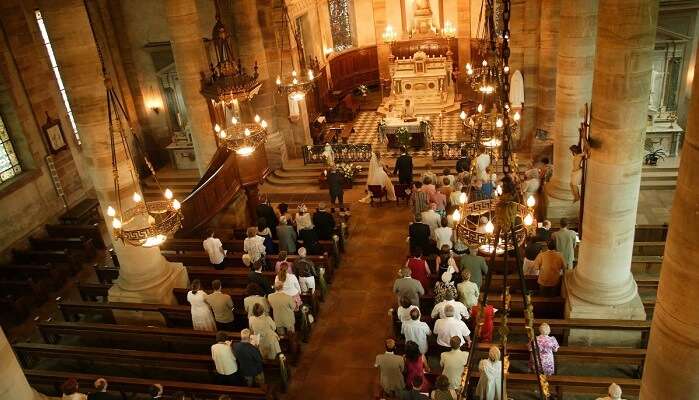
{"points": [[378, 176], [202, 317]]}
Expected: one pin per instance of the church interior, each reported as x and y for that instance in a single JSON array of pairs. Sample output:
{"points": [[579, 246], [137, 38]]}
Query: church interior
{"points": [[342, 175]]}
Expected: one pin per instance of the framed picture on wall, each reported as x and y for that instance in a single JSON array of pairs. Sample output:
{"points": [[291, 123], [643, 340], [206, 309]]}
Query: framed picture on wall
{"points": [[53, 133]]}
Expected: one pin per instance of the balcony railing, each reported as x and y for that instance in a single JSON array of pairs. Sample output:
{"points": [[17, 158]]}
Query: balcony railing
{"points": [[451, 150]]}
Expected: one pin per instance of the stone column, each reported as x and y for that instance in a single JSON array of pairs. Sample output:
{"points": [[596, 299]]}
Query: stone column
{"points": [[145, 275], [673, 349], [190, 61], [13, 383], [576, 56], [602, 285]]}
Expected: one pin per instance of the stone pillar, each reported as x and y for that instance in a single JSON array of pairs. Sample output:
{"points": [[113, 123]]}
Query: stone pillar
{"points": [[13, 383], [145, 275], [576, 56], [190, 61], [673, 349], [602, 285], [383, 50], [546, 75]]}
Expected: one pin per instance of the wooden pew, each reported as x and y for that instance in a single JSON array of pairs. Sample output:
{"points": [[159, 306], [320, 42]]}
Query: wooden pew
{"points": [[65, 257], [648, 248], [91, 231], [81, 244], [544, 307], [55, 275], [650, 233], [37, 291], [81, 213], [128, 386], [610, 355], [181, 245]]}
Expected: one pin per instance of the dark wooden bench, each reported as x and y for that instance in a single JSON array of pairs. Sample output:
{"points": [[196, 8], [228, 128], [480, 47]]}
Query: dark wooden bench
{"points": [[81, 213], [81, 244], [52, 380], [183, 245], [648, 248], [38, 291], [650, 233], [55, 275], [55, 257], [91, 231]]}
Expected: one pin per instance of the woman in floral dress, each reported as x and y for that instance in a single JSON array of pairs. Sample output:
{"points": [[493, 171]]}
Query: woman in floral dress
{"points": [[547, 346]]}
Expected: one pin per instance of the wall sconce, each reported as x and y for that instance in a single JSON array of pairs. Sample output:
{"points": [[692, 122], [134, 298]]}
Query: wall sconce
{"points": [[153, 101]]}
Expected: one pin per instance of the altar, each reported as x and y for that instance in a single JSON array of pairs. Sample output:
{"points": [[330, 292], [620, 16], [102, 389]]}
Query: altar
{"points": [[418, 130]]}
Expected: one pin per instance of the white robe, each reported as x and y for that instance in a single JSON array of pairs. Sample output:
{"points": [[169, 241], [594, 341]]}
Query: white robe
{"points": [[489, 384], [202, 317], [482, 162]]}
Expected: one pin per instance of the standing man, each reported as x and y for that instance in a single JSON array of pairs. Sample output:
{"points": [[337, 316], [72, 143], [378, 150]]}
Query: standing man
{"points": [[463, 164], [404, 167], [391, 367], [264, 210], [224, 360], [405, 286], [550, 264], [283, 307], [335, 187], [249, 360], [323, 222], [565, 243], [544, 232], [214, 248], [222, 306], [419, 235], [474, 264]]}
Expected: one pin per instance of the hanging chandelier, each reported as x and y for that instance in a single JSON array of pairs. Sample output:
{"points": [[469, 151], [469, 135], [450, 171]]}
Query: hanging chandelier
{"points": [[294, 84], [145, 223], [243, 138]]}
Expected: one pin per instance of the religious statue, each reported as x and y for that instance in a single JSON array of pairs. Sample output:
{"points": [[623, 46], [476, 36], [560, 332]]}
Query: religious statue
{"points": [[422, 7], [422, 18]]}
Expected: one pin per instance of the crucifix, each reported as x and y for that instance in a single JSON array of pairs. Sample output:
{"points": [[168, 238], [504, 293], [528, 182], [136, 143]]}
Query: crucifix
{"points": [[581, 158]]}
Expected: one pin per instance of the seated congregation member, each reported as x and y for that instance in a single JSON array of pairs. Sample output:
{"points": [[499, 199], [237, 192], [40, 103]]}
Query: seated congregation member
{"points": [[404, 309], [547, 346], [254, 245], [391, 367], [453, 362], [303, 219], [419, 234], [416, 331], [415, 366], [70, 389], [474, 264], [324, 223], [290, 285], [282, 261], [222, 306], [428, 184], [444, 235], [460, 310], [224, 360], [432, 218], [155, 391], [263, 326], [249, 360], [444, 288], [442, 390], [101, 393], [419, 199], [490, 384], [550, 264], [214, 248], [265, 233], [286, 235], [202, 317], [255, 295], [415, 390], [448, 327], [445, 261], [531, 250], [406, 286], [418, 267], [448, 182], [467, 290], [256, 276], [440, 200], [613, 393], [306, 273], [283, 307]]}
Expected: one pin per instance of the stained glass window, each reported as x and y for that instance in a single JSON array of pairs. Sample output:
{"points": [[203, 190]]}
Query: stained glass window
{"points": [[341, 24], [9, 164]]}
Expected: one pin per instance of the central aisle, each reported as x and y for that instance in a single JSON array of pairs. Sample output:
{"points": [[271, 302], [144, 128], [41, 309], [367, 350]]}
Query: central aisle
{"points": [[338, 361]]}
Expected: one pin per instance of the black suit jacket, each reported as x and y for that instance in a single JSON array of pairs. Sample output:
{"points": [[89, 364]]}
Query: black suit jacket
{"points": [[266, 211], [324, 225], [419, 235], [255, 277], [463, 164], [404, 167], [335, 182]]}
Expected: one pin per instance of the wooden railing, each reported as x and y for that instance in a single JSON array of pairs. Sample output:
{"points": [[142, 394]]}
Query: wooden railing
{"points": [[450, 150], [216, 189], [343, 153]]}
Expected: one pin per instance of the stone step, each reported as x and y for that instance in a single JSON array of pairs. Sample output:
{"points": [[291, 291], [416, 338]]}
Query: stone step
{"points": [[658, 185]]}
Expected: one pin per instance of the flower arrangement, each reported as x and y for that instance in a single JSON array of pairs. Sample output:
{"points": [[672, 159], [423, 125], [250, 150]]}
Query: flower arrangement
{"points": [[362, 90], [403, 136], [348, 171]]}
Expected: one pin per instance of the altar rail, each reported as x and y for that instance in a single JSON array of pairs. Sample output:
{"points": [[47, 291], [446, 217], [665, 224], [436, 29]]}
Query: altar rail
{"points": [[450, 150], [360, 152]]}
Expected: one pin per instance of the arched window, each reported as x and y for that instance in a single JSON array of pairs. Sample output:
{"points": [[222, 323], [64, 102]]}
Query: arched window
{"points": [[9, 164], [341, 26]]}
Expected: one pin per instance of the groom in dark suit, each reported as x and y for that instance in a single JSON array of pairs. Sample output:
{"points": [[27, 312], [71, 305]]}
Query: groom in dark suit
{"points": [[404, 167], [335, 187]]}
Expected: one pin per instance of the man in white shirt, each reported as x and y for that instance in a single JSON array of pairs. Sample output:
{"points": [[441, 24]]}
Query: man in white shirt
{"points": [[460, 310], [449, 326], [416, 330], [565, 243], [214, 248], [432, 219], [224, 360]]}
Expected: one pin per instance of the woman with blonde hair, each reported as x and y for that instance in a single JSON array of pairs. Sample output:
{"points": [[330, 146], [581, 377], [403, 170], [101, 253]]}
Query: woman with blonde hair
{"points": [[490, 384], [468, 291], [547, 346], [291, 285]]}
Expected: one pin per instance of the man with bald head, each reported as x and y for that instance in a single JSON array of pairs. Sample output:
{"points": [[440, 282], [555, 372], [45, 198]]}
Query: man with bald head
{"points": [[100, 392], [408, 287]]}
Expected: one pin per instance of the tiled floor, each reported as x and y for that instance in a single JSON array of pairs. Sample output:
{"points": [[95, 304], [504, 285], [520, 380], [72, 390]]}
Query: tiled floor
{"points": [[338, 361]]}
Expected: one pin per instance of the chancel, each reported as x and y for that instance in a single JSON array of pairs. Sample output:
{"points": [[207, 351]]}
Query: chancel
{"points": [[349, 199]]}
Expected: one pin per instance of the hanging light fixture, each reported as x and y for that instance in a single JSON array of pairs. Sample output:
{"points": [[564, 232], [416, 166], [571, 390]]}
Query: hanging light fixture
{"points": [[295, 83], [243, 138]]}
